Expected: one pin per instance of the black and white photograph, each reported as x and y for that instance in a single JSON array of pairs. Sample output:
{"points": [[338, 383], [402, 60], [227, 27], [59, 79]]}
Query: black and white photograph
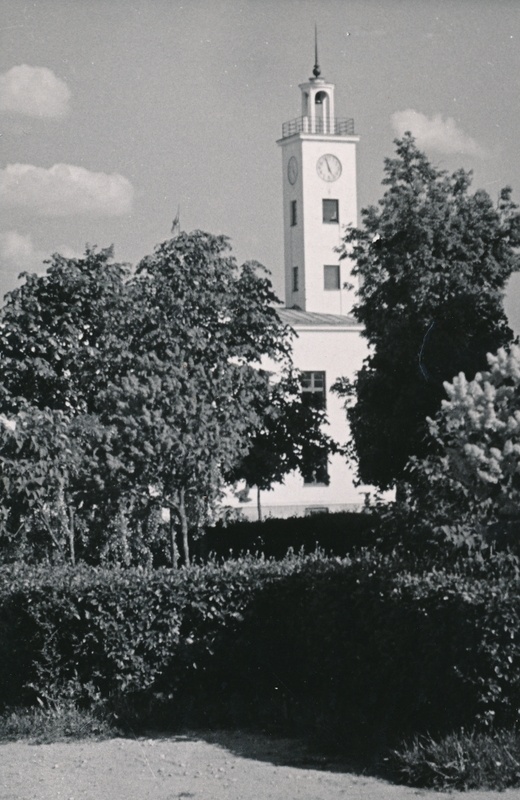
{"points": [[259, 399]]}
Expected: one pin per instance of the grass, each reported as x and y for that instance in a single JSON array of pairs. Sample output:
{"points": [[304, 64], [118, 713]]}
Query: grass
{"points": [[462, 760], [56, 723]]}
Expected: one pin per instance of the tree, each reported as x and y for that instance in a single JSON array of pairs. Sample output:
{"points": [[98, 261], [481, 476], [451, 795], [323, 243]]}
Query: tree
{"points": [[474, 475], [152, 384], [197, 392], [433, 260], [291, 437], [63, 333]]}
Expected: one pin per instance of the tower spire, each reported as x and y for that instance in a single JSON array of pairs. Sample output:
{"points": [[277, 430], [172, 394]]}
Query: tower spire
{"points": [[316, 71]]}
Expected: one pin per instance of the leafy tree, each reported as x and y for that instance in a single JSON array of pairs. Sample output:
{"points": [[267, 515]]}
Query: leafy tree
{"points": [[197, 393], [62, 334], [433, 260], [135, 393], [291, 437]]}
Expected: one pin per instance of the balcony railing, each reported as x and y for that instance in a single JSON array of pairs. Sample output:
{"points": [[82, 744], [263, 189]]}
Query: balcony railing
{"points": [[325, 127]]}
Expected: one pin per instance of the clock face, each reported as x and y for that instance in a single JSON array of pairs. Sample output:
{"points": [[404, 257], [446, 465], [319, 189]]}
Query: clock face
{"points": [[292, 170], [328, 167]]}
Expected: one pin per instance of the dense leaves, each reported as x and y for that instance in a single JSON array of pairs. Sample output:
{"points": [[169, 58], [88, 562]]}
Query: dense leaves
{"points": [[135, 393], [363, 649], [433, 260], [473, 478]]}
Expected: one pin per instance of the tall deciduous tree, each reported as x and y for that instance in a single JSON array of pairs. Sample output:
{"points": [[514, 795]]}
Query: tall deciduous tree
{"points": [[197, 393], [162, 370], [433, 260]]}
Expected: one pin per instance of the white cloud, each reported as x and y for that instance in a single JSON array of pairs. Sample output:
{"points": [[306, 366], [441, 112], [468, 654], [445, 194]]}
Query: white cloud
{"points": [[17, 252], [436, 133], [35, 91], [65, 190]]}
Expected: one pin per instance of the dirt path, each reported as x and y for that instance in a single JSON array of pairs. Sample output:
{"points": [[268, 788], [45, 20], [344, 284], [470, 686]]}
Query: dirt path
{"points": [[223, 766]]}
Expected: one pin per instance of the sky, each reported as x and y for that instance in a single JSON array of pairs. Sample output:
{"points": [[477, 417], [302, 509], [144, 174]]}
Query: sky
{"points": [[115, 113]]}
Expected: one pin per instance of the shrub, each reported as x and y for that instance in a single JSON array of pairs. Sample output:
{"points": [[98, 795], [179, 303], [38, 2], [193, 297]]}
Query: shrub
{"points": [[55, 723], [462, 760], [338, 534], [361, 649]]}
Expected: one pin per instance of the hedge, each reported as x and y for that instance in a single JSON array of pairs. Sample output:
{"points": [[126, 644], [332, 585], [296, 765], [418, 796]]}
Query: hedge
{"points": [[339, 534], [356, 648]]}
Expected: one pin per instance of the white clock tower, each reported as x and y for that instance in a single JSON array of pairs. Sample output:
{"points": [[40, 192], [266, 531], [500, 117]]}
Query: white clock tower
{"points": [[320, 198]]}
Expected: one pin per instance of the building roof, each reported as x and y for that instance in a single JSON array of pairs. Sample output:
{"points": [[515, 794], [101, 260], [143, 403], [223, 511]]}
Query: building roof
{"points": [[311, 319]]}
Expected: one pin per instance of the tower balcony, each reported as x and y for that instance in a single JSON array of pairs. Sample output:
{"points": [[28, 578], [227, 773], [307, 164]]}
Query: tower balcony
{"points": [[323, 127]]}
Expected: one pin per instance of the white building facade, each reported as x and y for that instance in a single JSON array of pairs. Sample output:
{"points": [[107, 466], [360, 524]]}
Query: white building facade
{"points": [[319, 200]]}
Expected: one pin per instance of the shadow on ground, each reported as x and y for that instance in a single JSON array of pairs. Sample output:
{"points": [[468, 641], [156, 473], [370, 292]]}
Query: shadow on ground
{"points": [[281, 751]]}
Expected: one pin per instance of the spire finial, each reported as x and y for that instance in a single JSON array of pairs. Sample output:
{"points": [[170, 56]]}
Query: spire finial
{"points": [[316, 71]]}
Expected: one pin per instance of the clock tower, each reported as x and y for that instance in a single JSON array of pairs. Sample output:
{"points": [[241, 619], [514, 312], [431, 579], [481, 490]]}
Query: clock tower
{"points": [[319, 200]]}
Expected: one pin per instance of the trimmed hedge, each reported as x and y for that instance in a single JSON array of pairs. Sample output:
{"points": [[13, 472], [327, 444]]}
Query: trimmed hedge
{"points": [[337, 534], [357, 648]]}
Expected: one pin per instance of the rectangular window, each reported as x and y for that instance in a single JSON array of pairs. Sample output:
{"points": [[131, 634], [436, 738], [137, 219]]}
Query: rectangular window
{"points": [[314, 389], [331, 279], [330, 211], [294, 213], [295, 279], [315, 468], [315, 461]]}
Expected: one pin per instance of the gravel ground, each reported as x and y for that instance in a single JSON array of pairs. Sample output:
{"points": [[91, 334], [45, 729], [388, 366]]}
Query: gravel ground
{"points": [[216, 766]]}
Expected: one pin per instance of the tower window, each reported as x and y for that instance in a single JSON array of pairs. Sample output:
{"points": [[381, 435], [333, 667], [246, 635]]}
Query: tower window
{"points": [[295, 279], [331, 279], [294, 213], [330, 211]]}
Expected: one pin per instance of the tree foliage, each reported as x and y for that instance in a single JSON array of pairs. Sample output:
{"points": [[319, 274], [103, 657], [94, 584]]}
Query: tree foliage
{"points": [[473, 478], [433, 260], [126, 393], [291, 436]]}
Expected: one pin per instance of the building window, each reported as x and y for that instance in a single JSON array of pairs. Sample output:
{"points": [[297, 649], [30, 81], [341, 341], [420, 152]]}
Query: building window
{"points": [[331, 279], [330, 211], [314, 461], [314, 389], [295, 279], [294, 213], [315, 469]]}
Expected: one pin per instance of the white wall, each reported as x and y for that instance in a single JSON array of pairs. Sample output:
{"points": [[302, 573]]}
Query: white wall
{"points": [[338, 351], [311, 243]]}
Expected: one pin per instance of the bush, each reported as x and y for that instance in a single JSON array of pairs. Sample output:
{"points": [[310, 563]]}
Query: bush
{"points": [[360, 649], [338, 534], [462, 760], [55, 723]]}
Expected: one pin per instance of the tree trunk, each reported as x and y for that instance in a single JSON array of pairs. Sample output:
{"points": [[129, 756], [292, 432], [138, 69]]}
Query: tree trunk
{"points": [[259, 504], [184, 528], [173, 543], [71, 537]]}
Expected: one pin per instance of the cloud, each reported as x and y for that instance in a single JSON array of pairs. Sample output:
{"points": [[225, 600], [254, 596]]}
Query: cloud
{"points": [[35, 91], [441, 135], [65, 190], [17, 252]]}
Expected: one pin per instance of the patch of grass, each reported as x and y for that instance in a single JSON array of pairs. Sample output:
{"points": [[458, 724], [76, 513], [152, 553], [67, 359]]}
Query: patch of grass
{"points": [[56, 723], [462, 760]]}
